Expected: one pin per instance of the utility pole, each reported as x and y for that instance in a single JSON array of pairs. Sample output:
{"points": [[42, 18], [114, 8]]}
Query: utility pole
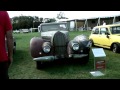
{"points": [[33, 25]]}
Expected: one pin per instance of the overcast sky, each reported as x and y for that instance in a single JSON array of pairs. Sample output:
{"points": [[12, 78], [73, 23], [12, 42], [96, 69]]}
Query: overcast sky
{"points": [[68, 14]]}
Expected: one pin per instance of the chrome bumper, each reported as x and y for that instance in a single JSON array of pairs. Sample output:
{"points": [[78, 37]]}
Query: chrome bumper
{"points": [[45, 58], [77, 55], [52, 58]]}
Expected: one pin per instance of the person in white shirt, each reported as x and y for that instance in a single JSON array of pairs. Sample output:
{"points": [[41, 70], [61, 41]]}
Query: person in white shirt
{"points": [[104, 23]]}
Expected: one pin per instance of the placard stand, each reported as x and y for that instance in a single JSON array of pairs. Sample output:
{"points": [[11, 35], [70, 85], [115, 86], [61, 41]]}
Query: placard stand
{"points": [[99, 62]]}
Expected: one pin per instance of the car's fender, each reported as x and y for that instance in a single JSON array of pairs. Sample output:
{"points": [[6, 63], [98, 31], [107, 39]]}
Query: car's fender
{"points": [[36, 46]]}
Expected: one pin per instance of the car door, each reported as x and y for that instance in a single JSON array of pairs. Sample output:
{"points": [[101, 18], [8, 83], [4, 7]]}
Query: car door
{"points": [[95, 36], [103, 39]]}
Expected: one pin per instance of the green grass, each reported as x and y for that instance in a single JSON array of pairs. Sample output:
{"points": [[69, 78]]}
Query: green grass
{"points": [[23, 67]]}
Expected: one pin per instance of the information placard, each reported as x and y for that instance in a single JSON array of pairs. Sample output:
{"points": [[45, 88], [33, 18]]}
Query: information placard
{"points": [[99, 61], [100, 64], [98, 52]]}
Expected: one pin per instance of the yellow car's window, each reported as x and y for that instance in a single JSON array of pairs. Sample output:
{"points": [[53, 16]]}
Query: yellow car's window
{"points": [[104, 31], [95, 31], [115, 30]]}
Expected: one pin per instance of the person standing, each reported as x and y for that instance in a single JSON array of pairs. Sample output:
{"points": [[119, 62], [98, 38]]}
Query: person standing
{"points": [[5, 32], [104, 23]]}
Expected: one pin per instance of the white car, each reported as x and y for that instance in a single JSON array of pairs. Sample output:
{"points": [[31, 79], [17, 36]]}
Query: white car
{"points": [[16, 31]]}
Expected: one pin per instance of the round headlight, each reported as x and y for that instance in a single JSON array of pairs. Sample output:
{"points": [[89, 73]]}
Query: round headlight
{"points": [[75, 46], [46, 49]]}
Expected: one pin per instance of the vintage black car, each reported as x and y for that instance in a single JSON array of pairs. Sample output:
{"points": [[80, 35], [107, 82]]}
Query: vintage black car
{"points": [[55, 44]]}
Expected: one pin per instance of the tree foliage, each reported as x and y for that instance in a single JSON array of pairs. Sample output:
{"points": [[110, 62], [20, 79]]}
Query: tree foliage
{"points": [[48, 20], [26, 22], [41, 19], [61, 15]]}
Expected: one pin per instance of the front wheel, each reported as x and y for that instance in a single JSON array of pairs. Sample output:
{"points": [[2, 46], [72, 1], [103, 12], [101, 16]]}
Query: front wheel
{"points": [[39, 65], [14, 49], [115, 48], [85, 60]]}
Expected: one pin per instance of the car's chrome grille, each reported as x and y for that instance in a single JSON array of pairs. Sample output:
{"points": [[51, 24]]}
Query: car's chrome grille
{"points": [[60, 44]]}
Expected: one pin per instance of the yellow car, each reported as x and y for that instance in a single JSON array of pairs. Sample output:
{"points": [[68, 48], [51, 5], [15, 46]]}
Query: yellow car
{"points": [[106, 36]]}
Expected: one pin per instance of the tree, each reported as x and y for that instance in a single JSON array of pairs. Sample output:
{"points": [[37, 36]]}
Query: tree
{"points": [[24, 22], [61, 15], [48, 20], [41, 19], [36, 19]]}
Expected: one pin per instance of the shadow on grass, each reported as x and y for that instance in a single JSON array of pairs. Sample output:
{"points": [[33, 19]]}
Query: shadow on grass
{"points": [[66, 69], [24, 67], [62, 63]]}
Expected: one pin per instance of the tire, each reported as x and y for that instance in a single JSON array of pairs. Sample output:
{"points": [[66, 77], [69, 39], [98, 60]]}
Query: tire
{"points": [[85, 60], [39, 65], [14, 49], [115, 48]]}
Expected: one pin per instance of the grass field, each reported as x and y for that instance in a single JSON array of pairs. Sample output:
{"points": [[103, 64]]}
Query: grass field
{"points": [[23, 67]]}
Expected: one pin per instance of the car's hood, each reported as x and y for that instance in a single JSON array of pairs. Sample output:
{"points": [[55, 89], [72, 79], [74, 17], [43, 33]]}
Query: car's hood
{"points": [[50, 34]]}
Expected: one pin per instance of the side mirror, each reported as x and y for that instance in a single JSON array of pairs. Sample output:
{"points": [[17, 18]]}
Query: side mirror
{"points": [[107, 34]]}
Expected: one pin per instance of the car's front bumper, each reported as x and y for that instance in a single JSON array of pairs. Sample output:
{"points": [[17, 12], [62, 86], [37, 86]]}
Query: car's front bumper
{"points": [[77, 55], [44, 58], [52, 58]]}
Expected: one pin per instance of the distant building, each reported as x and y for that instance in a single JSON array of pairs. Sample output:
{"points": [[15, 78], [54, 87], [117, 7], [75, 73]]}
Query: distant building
{"points": [[89, 23]]}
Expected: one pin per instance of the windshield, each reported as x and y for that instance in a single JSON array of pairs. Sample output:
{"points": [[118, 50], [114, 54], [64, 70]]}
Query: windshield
{"points": [[53, 27], [115, 30]]}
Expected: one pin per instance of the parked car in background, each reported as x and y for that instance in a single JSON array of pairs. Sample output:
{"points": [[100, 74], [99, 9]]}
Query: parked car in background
{"points": [[107, 36], [16, 31], [54, 43], [25, 30]]}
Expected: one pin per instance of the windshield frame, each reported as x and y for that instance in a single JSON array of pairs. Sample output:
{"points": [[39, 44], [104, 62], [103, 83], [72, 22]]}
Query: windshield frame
{"points": [[52, 27]]}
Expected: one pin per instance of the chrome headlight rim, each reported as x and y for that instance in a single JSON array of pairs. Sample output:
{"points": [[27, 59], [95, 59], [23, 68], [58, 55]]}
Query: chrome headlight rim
{"points": [[75, 46], [46, 47]]}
